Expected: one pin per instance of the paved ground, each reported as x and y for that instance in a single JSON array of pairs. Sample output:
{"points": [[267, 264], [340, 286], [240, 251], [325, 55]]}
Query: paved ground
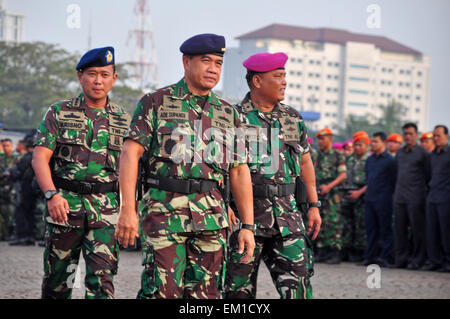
{"points": [[21, 275]]}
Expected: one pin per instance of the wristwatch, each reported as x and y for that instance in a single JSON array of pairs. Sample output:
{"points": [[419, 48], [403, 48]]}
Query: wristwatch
{"points": [[249, 227], [317, 204], [49, 194]]}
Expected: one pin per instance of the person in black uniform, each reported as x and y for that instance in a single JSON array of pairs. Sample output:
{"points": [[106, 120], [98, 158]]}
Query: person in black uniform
{"points": [[27, 197]]}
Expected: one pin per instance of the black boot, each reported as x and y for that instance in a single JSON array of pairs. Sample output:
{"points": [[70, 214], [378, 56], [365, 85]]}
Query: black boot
{"points": [[321, 256], [334, 257], [356, 256]]}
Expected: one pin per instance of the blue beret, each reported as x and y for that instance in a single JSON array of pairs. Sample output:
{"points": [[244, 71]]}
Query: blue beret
{"points": [[96, 57], [203, 44]]}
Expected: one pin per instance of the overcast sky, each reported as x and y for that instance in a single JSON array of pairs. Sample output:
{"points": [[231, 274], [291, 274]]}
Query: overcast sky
{"points": [[419, 24]]}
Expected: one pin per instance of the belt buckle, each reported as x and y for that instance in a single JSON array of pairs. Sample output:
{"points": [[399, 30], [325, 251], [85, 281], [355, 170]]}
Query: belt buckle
{"points": [[195, 186], [272, 190], [86, 188]]}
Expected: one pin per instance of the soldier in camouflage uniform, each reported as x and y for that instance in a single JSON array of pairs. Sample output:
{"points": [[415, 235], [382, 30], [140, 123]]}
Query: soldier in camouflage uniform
{"points": [[330, 172], [185, 128], [7, 191], [83, 139], [352, 207], [278, 155]]}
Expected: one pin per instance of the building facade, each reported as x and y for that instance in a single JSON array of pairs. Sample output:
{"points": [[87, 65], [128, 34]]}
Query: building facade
{"points": [[338, 73], [12, 25]]}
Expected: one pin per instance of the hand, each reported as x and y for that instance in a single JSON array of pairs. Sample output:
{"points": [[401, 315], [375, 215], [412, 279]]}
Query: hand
{"points": [[324, 189], [232, 221], [58, 208], [314, 222], [246, 238], [354, 194], [127, 227]]}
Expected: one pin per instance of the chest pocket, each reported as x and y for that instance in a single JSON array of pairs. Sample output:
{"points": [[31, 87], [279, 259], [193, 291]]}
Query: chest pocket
{"points": [[117, 126], [255, 141], [222, 137], [174, 132], [291, 141], [72, 128]]}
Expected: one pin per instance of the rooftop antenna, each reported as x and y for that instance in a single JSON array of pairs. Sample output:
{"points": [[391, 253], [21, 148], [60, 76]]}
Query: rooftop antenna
{"points": [[141, 48]]}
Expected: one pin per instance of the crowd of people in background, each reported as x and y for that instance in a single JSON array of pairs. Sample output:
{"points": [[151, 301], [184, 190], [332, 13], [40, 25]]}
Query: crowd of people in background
{"points": [[385, 199], [21, 201]]}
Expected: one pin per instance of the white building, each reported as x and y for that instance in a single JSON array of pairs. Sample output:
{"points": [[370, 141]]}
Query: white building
{"points": [[337, 73], [12, 25]]}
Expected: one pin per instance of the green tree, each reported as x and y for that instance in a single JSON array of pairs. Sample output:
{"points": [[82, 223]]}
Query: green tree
{"points": [[390, 121], [35, 75], [32, 76]]}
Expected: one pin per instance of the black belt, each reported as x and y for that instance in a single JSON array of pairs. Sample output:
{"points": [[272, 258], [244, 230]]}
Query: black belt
{"points": [[268, 191], [81, 187], [183, 186]]}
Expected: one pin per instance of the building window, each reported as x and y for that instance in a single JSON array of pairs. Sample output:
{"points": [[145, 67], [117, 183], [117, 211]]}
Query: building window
{"points": [[299, 73], [327, 101], [318, 62], [417, 98], [311, 61], [382, 81], [419, 73], [317, 75], [401, 71], [335, 102], [292, 59], [381, 94], [291, 85], [330, 64], [335, 90], [297, 99], [358, 91], [309, 87], [417, 110], [299, 60], [400, 83], [354, 78], [317, 88], [418, 85], [359, 66], [336, 77], [298, 86], [357, 104], [336, 64], [310, 75], [329, 76]]}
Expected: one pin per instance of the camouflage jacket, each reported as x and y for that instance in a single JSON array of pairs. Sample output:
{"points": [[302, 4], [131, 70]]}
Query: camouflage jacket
{"points": [[7, 191], [275, 143], [86, 145], [186, 137], [328, 166], [356, 172]]}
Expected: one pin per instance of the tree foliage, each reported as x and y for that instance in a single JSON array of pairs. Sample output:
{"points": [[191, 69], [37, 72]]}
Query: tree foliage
{"points": [[35, 75], [391, 121]]}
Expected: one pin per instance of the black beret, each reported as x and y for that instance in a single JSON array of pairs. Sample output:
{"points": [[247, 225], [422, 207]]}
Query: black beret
{"points": [[96, 57], [203, 44]]}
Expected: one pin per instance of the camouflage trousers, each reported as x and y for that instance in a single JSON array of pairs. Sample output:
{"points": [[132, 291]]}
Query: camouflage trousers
{"points": [[289, 260], [183, 265], [330, 235], [6, 219], [354, 230], [63, 246]]}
